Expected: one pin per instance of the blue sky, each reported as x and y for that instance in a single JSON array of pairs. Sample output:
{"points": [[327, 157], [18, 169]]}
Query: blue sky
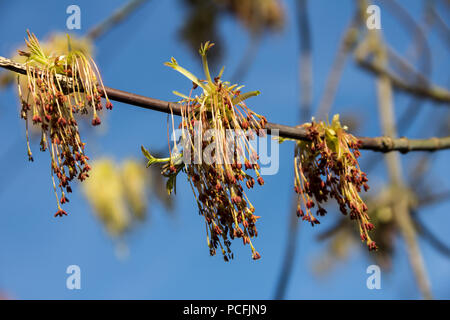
{"points": [[168, 257]]}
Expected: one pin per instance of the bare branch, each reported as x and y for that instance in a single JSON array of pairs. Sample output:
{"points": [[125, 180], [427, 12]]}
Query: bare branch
{"points": [[432, 92], [385, 144], [118, 16], [402, 214], [381, 144]]}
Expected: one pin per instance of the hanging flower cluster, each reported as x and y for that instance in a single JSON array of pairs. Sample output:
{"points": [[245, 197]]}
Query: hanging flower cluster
{"points": [[327, 167], [217, 182], [57, 88]]}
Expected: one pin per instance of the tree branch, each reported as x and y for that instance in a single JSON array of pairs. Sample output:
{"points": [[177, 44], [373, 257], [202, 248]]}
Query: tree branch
{"points": [[118, 16], [434, 93], [402, 214], [380, 144]]}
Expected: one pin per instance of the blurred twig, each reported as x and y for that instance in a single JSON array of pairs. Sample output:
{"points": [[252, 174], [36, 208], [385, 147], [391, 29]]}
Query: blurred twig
{"points": [[117, 17], [248, 57], [401, 211], [411, 26], [440, 23], [347, 43], [428, 235], [305, 61], [433, 92], [423, 52], [305, 80], [423, 89], [290, 250], [434, 198], [341, 223]]}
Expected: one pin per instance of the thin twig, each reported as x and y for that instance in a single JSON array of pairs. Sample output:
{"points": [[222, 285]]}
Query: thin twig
{"points": [[434, 198], [402, 214], [413, 110], [118, 16], [305, 61], [428, 235], [433, 92], [443, 28], [247, 59], [305, 77], [347, 43], [289, 252], [381, 144], [412, 27], [423, 54]]}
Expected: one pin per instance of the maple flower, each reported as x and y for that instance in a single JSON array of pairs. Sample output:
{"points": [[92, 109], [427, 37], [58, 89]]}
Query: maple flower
{"points": [[59, 86], [218, 185], [326, 167]]}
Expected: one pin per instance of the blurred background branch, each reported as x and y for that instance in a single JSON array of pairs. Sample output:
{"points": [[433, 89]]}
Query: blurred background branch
{"points": [[306, 92]]}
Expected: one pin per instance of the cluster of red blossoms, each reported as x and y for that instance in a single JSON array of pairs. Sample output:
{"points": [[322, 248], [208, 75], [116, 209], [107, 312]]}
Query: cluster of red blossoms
{"points": [[221, 197], [222, 201], [218, 184], [326, 167], [52, 104]]}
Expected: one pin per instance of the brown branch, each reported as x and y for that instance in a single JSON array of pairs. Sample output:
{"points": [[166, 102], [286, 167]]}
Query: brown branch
{"points": [[434, 93], [381, 144], [402, 214], [385, 144]]}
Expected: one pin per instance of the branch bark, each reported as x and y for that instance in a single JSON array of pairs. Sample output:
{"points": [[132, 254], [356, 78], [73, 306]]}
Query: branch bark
{"points": [[380, 144]]}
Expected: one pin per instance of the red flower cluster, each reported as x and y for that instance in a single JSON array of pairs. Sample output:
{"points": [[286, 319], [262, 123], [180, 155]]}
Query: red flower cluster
{"points": [[218, 184], [57, 89], [326, 167]]}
